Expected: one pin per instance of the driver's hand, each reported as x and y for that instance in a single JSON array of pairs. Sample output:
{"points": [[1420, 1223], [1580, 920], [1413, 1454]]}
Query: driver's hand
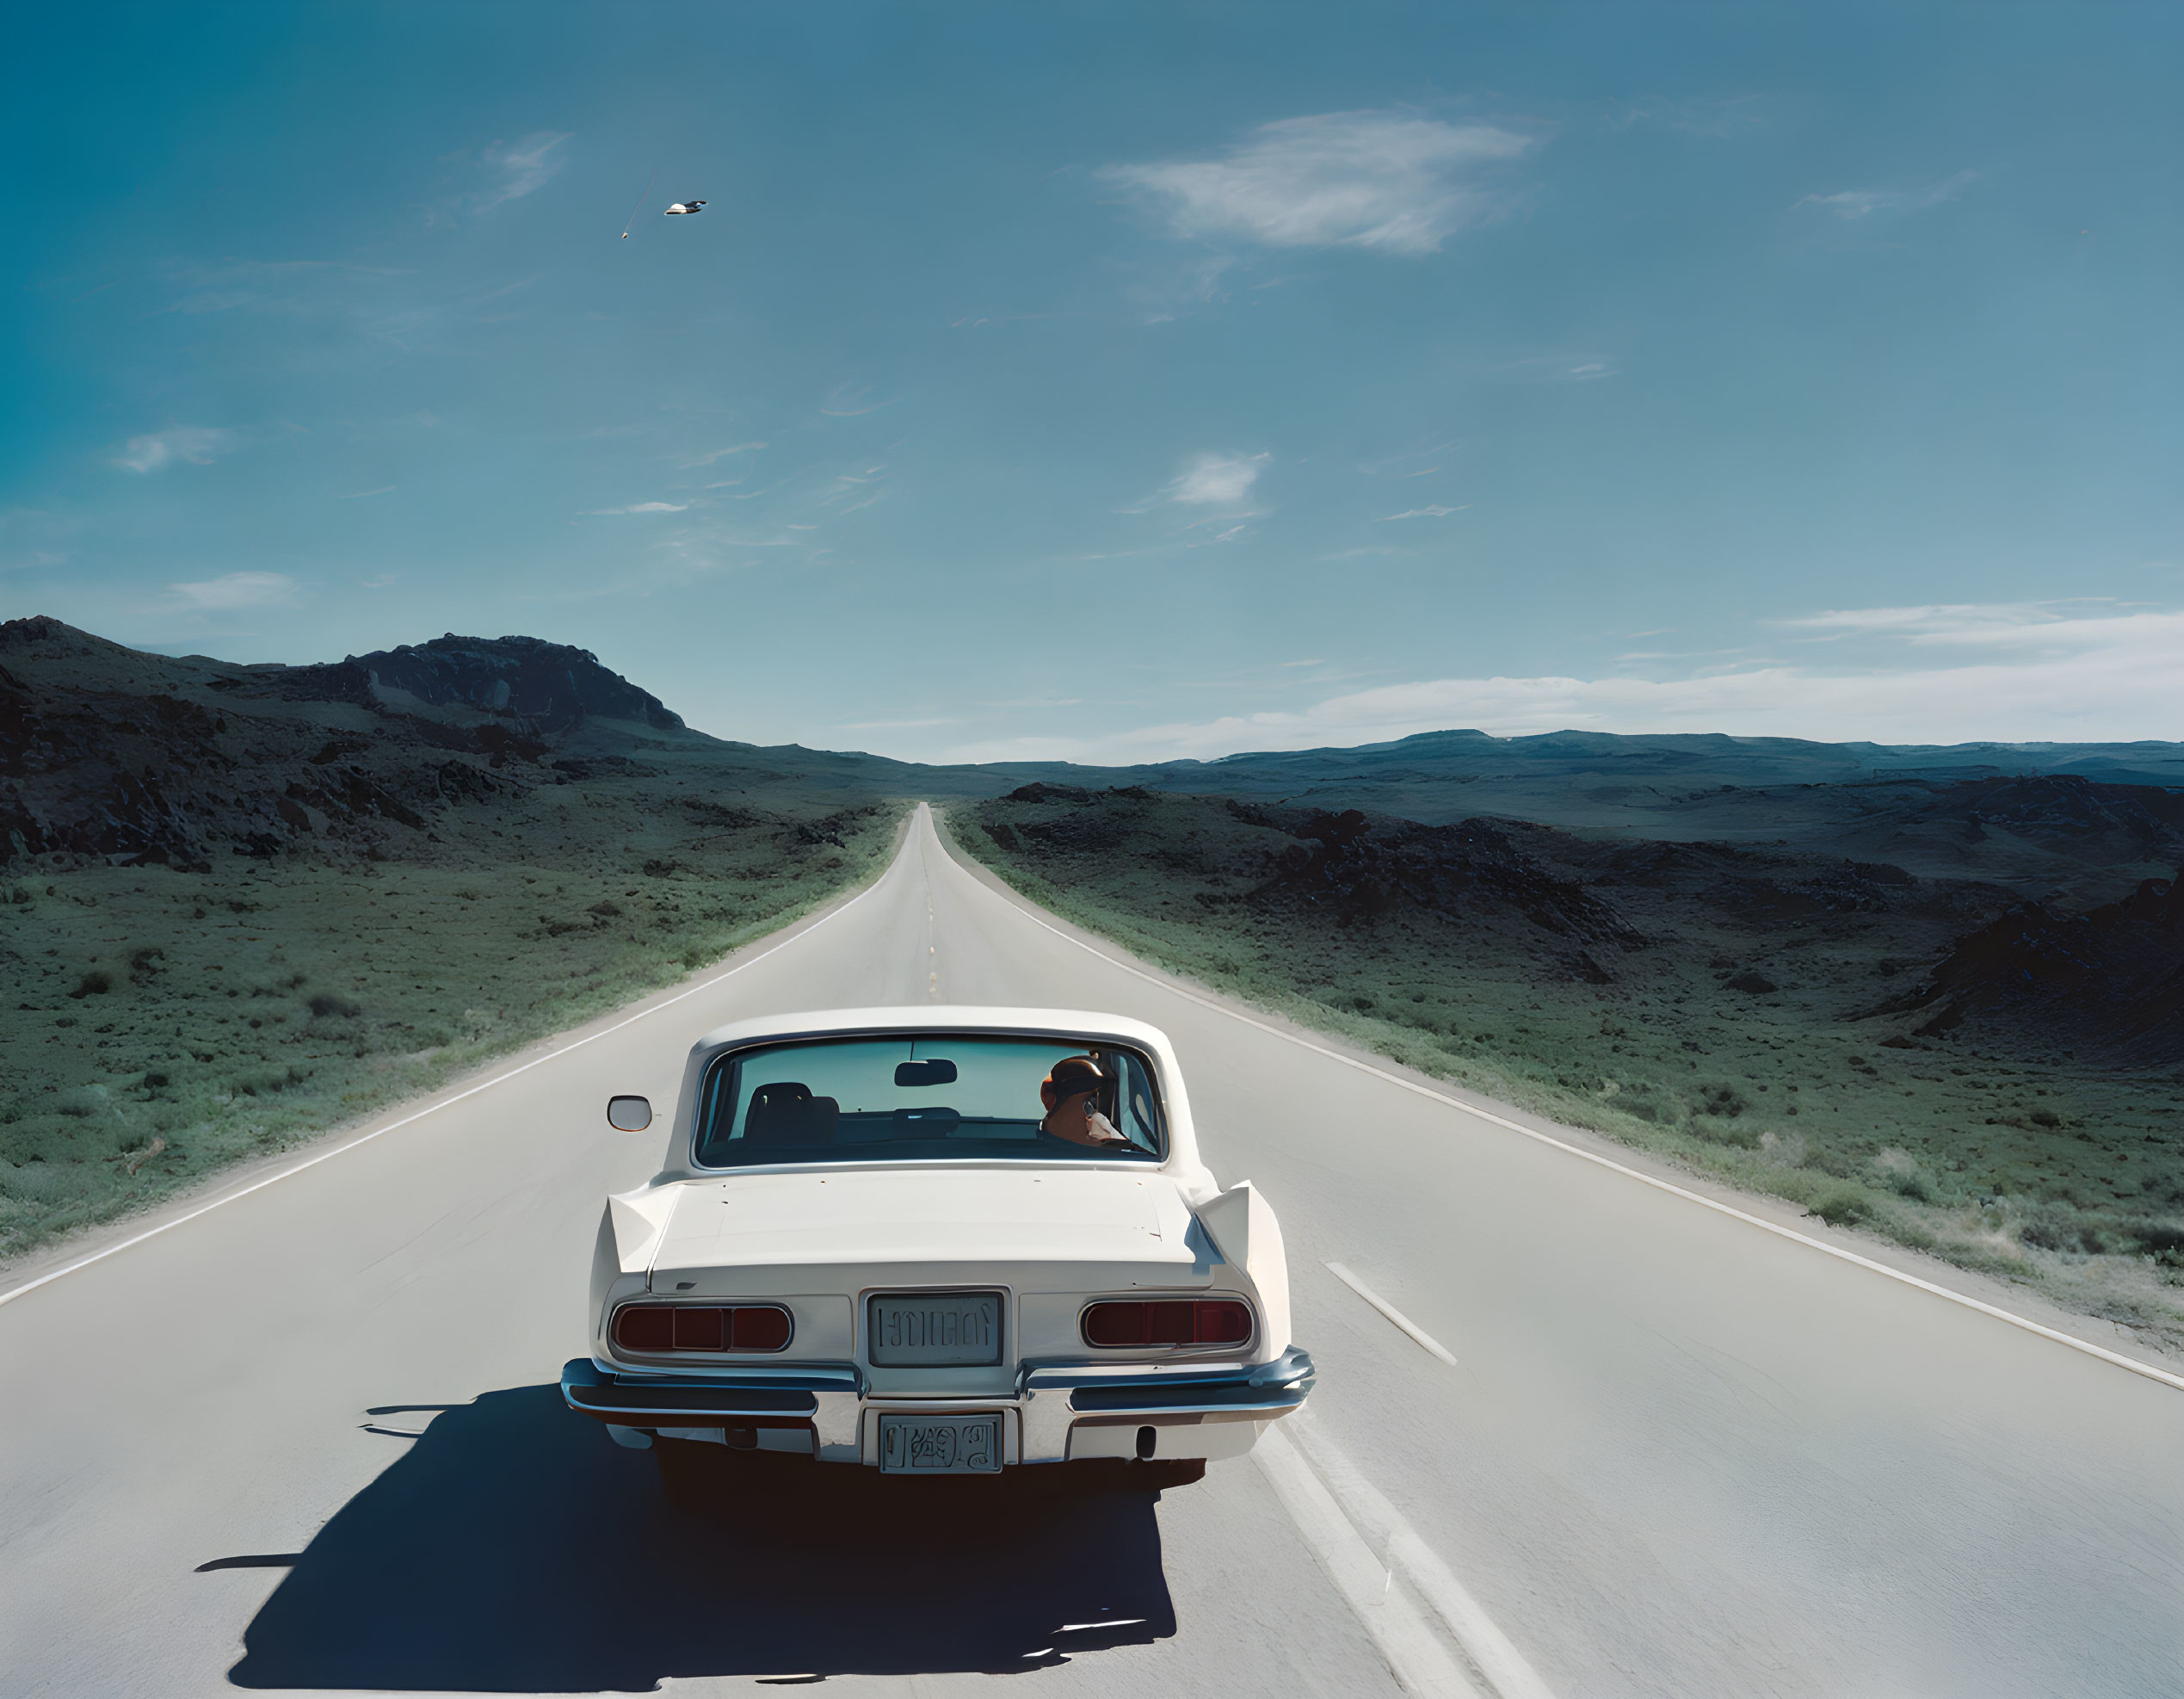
{"points": [[1102, 1129]]}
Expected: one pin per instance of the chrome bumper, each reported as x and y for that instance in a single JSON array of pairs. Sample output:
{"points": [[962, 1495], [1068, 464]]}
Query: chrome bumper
{"points": [[1056, 1399], [826, 1398], [829, 1399]]}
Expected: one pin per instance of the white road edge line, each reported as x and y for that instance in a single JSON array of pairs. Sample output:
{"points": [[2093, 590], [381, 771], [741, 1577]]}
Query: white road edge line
{"points": [[1380, 1524], [1414, 1651], [1418, 1335], [48, 1279], [1674, 1190]]}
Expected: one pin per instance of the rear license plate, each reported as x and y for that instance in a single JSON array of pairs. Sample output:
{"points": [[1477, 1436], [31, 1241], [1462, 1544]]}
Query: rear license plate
{"points": [[940, 1445], [935, 1329]]}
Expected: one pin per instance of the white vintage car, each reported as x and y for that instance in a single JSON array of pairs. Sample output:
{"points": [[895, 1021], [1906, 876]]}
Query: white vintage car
{"points": [[937, 1241]]}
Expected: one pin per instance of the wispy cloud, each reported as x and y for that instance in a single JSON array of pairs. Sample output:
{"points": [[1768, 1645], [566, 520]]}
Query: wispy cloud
{"points": [[1420, 461], [2041, 625], [639, 507], [1165, 287], [1391, 181], [1419, 513], [193, 445], [34, 539], [521, 168], [850, 401], [359, 495], [1216, 479], [1718, 117], [1858, 203], [234, 592], [390, 305], [296, 287], [1559, 368], [2023, 673], [693, 462]]}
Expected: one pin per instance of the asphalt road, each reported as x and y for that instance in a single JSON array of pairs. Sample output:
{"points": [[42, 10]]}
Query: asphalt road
{"points": [[308, 1438]]}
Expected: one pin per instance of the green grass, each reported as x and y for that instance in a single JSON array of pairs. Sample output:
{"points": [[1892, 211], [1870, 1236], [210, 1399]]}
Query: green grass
{"points": [[2065, 1178], [165, 1024]]}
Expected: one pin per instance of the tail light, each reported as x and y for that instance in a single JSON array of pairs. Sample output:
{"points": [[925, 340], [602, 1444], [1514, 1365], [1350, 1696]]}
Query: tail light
{"points": [[699, 1327], [1168, 1321]]}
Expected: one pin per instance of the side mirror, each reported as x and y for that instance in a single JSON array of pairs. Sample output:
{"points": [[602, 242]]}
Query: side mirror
{"points": [[629, 1115]]}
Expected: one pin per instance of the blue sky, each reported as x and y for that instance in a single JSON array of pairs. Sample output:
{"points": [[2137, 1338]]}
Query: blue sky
{"points": [[1121, 383]]}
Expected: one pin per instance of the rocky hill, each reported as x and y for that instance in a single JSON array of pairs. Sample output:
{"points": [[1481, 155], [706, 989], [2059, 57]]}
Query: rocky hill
{"points": [[111, 754]]}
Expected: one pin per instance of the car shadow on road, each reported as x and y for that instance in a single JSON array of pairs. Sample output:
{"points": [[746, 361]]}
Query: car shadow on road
{"points": [[514, 1548]]}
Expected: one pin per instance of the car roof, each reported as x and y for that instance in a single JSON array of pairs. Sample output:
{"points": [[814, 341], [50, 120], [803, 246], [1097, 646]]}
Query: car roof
{"points": [[940, 1017]]}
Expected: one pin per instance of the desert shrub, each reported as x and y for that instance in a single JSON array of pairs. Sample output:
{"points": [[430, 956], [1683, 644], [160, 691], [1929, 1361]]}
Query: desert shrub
{"points": [[96, 983], [2165, 1188], [1843, 1207], [1724, 1101], [2053, 1226], [326, 1005], [1900, 1173], [1727, 1133]]}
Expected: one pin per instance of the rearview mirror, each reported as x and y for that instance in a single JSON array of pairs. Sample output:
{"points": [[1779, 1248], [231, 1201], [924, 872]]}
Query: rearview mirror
{"points": [[938, 1072], [629, 1115]]}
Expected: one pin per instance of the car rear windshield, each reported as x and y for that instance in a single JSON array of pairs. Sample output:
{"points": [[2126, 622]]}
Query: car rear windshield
{"points": [[942, 1097]]}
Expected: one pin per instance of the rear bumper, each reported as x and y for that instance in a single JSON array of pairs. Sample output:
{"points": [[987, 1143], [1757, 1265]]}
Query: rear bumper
{"points": [[1076, 1411], [1058, 1410]]}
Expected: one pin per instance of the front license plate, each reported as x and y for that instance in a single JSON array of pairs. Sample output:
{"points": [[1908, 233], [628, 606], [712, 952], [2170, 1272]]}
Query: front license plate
{"points": [[940, 1445]]}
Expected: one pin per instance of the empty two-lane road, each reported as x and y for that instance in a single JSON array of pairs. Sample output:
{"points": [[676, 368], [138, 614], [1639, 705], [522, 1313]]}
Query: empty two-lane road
{"points": [[306, 1439]]}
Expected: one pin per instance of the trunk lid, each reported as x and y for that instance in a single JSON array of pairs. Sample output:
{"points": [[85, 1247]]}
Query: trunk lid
{"points": [[838, 1231]]}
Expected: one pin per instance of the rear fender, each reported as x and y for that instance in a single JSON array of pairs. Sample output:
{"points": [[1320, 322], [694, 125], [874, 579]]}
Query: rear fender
{"points": [[629, 1237], [1243, 1224]]}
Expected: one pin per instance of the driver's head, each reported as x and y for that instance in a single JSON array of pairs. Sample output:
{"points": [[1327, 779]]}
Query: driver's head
{"points": [[1068, 1078]]}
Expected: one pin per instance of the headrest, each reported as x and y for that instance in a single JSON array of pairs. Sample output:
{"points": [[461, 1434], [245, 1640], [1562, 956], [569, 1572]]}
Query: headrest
{"points": [[787, 1114]]}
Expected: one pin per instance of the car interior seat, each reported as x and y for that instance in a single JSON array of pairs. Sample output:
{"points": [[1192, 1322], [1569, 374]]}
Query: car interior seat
{"points": [[787, 1114]]}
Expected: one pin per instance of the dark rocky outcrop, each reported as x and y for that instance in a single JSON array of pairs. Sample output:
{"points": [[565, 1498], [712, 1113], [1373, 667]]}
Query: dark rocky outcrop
{"points": [[549, 686], [2107, 986], [1359, 867]]}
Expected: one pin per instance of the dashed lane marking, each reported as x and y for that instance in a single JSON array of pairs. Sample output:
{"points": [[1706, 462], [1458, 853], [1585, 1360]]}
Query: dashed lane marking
{"points": [[1418, 1335]]}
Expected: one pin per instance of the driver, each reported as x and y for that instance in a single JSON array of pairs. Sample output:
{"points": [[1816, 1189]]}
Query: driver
{"points": [[1069, 1092]]}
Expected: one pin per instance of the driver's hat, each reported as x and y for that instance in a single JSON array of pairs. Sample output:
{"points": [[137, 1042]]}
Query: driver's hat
{"points": [[1073, 1074]]}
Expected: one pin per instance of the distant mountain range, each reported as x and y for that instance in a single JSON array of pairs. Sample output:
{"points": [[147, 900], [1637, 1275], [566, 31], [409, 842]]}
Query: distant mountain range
{"points": [[108, 751], [1671, 763]]}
